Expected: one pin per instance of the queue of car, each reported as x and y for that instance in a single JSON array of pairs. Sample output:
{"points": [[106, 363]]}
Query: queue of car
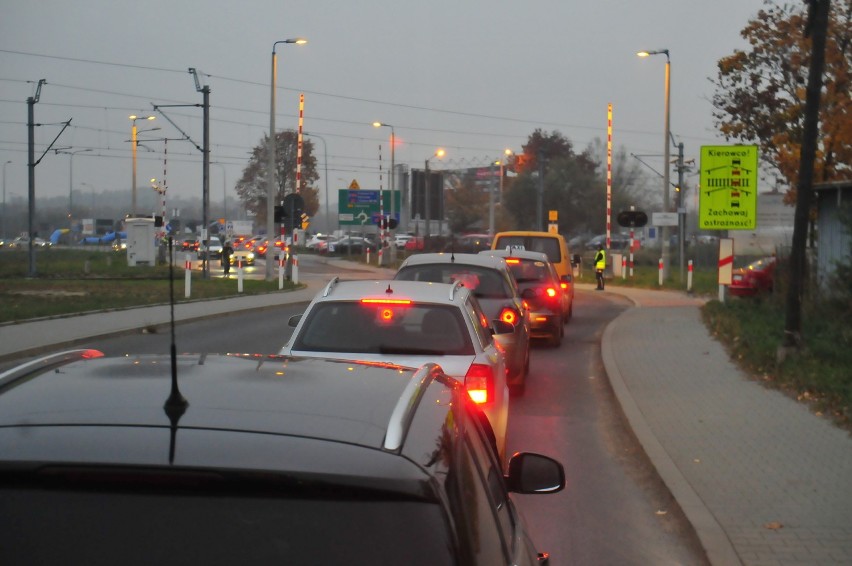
{"points": [[383, 420]]}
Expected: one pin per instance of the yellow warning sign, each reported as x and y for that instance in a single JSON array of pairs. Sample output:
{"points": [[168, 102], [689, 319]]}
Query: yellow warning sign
{"points": [[354, 186], [728, 190]]}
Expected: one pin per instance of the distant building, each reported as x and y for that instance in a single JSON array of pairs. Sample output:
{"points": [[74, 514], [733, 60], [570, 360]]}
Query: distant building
{"points": [[774, 227], [835, 240]]}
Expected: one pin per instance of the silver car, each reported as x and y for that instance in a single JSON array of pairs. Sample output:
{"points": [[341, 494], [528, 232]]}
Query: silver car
{"points": [[409, 323], [494, 287]]}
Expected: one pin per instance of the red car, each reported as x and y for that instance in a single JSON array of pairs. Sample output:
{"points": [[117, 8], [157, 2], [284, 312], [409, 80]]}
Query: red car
{"points": [[260, 248], [753, 279], [415, 244]]}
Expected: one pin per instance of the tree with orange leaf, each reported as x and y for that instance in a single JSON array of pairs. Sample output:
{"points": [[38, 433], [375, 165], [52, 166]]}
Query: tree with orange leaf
{"points": [[760, 92]]}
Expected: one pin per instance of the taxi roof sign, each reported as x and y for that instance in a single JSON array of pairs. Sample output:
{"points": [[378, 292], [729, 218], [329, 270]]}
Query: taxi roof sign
{"points": [[728, 187]]}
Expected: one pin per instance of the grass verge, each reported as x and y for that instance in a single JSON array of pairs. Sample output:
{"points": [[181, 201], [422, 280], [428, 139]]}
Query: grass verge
{"points": [[75, 281], [819, 374]]}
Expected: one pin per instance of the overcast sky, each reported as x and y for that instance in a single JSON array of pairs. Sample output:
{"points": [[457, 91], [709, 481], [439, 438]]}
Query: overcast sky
{"points": [[470, 76]]}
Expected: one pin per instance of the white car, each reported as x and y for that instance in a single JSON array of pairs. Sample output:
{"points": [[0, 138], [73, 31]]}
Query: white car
{"points": [[24, 242], [496, 290], [210, 249], [319, 241], [401, 239], [410, 323]]}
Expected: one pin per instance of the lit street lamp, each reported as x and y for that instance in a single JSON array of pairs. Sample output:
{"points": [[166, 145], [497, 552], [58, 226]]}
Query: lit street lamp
{"points": [[271, 185], [133, 141], [428, 236], [666, 156]]}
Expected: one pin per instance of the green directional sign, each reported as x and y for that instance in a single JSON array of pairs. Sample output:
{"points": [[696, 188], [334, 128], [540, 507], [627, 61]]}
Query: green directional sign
{"points": [[727, 197], [359, 207]]}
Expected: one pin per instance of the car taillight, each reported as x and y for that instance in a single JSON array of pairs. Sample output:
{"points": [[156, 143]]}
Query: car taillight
{"points": [[479, 383], [551, 293], [510, 315], [563, 284]]}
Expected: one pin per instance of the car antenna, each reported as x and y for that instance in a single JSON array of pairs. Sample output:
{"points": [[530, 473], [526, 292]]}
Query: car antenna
{"points": [[176, 404], [389, 291]]}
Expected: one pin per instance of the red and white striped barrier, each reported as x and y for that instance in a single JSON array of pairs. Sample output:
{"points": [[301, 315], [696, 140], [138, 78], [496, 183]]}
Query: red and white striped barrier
{"points": [[689, 277], [187, 279]]}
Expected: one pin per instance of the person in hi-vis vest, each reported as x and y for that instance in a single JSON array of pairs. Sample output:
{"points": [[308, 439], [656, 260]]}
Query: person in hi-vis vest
{"points": [[600, 265]]}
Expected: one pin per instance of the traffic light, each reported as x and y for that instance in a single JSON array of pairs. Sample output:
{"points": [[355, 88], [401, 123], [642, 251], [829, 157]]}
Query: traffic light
{"points": [[386, 223]]}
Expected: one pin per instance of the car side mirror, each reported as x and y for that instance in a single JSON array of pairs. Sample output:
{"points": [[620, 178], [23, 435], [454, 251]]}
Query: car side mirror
{"points": [[567, 278], [293, 321], [501, 327], [534, 473]]}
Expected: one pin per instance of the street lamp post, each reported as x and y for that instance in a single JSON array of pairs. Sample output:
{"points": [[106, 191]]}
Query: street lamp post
{"points": [[271, 181], [92, 212], [666, 155], [133, 141], [491, 198], [4, 197], [325, 160], [70, 155], [427, 237], [224, 190]]}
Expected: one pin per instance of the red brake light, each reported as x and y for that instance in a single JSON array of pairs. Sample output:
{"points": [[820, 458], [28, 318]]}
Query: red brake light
{"points": [[479, 382], [509, 315], [551, 292], [512, 260], [563, 284], [387, 301]]}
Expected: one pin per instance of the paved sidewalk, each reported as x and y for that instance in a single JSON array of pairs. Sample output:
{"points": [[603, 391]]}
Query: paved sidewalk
{"points": [[762, 480]]}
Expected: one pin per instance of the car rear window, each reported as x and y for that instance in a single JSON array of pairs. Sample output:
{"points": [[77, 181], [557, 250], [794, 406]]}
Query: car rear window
{"points": [[382, 328], [484, 283], [53, 526], [529, 271], [549, 246]]}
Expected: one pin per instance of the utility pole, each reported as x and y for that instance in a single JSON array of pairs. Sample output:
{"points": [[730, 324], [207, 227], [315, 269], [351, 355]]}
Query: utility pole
{"points": [[816, 28], [539, 202], [681, 210], [31, 164]]}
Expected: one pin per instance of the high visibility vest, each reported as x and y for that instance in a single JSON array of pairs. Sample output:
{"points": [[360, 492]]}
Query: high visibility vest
{"points": [[600, 260]]}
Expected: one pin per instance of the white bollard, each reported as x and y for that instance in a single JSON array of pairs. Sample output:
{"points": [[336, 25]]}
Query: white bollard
{"points": [[623, 267], [689, 277], [239, 275], [368, 255], [661, 271], [280, 272], [295, 269], [187, 280]]}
